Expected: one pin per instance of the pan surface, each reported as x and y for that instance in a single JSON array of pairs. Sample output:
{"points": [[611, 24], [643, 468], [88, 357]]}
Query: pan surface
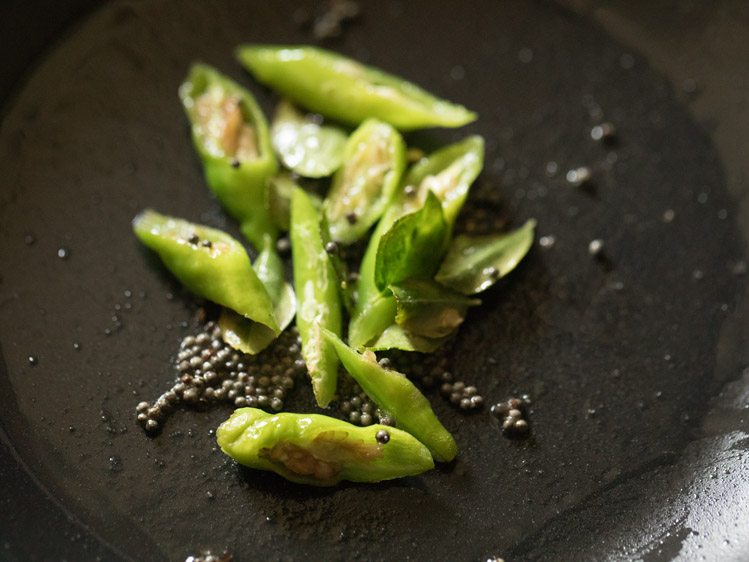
{"points": [[637, 367]]}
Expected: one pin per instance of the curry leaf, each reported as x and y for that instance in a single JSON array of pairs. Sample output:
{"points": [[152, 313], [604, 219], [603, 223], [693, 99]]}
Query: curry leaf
{"points": [[428, 309], [395, 337], [413, 247], [475, 263]]}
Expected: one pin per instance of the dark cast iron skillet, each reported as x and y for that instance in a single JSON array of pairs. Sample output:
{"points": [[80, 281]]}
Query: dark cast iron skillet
{"points": [[637, 365]]}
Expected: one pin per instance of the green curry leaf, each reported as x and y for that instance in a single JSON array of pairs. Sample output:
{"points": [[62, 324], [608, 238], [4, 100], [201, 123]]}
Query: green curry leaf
{"points": [[427, 309], [475, 263], [413, 247], [395, 337]]}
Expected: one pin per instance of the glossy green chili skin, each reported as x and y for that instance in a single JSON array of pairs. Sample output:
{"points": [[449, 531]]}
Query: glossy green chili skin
{"points": [[320, 450], [252, 337], [460, 162], [304, 146], [317, 290], [239, 184], [210, 263], [280, 188], [448, 173], [346, 90], [395, 393], [374, 159]]}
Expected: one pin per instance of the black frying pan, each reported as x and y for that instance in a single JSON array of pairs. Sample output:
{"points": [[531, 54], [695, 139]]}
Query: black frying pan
{"points": [[637, 368]]}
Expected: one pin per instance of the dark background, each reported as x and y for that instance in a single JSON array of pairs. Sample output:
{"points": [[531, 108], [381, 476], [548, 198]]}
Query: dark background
{"points": [[633, 455]]}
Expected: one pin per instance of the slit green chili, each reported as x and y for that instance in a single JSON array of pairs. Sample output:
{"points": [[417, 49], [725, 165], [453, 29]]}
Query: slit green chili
{"points": [[394, 392], [230, 134], [210, 263], [447, 173], [317, 291], [304, 146], [374, 159], [346, 90], [252, 337], [319, 450]]}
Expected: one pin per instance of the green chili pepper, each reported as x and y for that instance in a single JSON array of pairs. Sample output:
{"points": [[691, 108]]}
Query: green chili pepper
{"points": [[230, 134], [318, 304], [369, 321], [270, 269], [247, 336], [475, 263], [411, 249], [346, 284], [319, 450], [418, 315], [347, 90], [210, 263], [280, 188], [303, 145], [392, 391], [374, 160], [448, 173], [252, 337]]}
